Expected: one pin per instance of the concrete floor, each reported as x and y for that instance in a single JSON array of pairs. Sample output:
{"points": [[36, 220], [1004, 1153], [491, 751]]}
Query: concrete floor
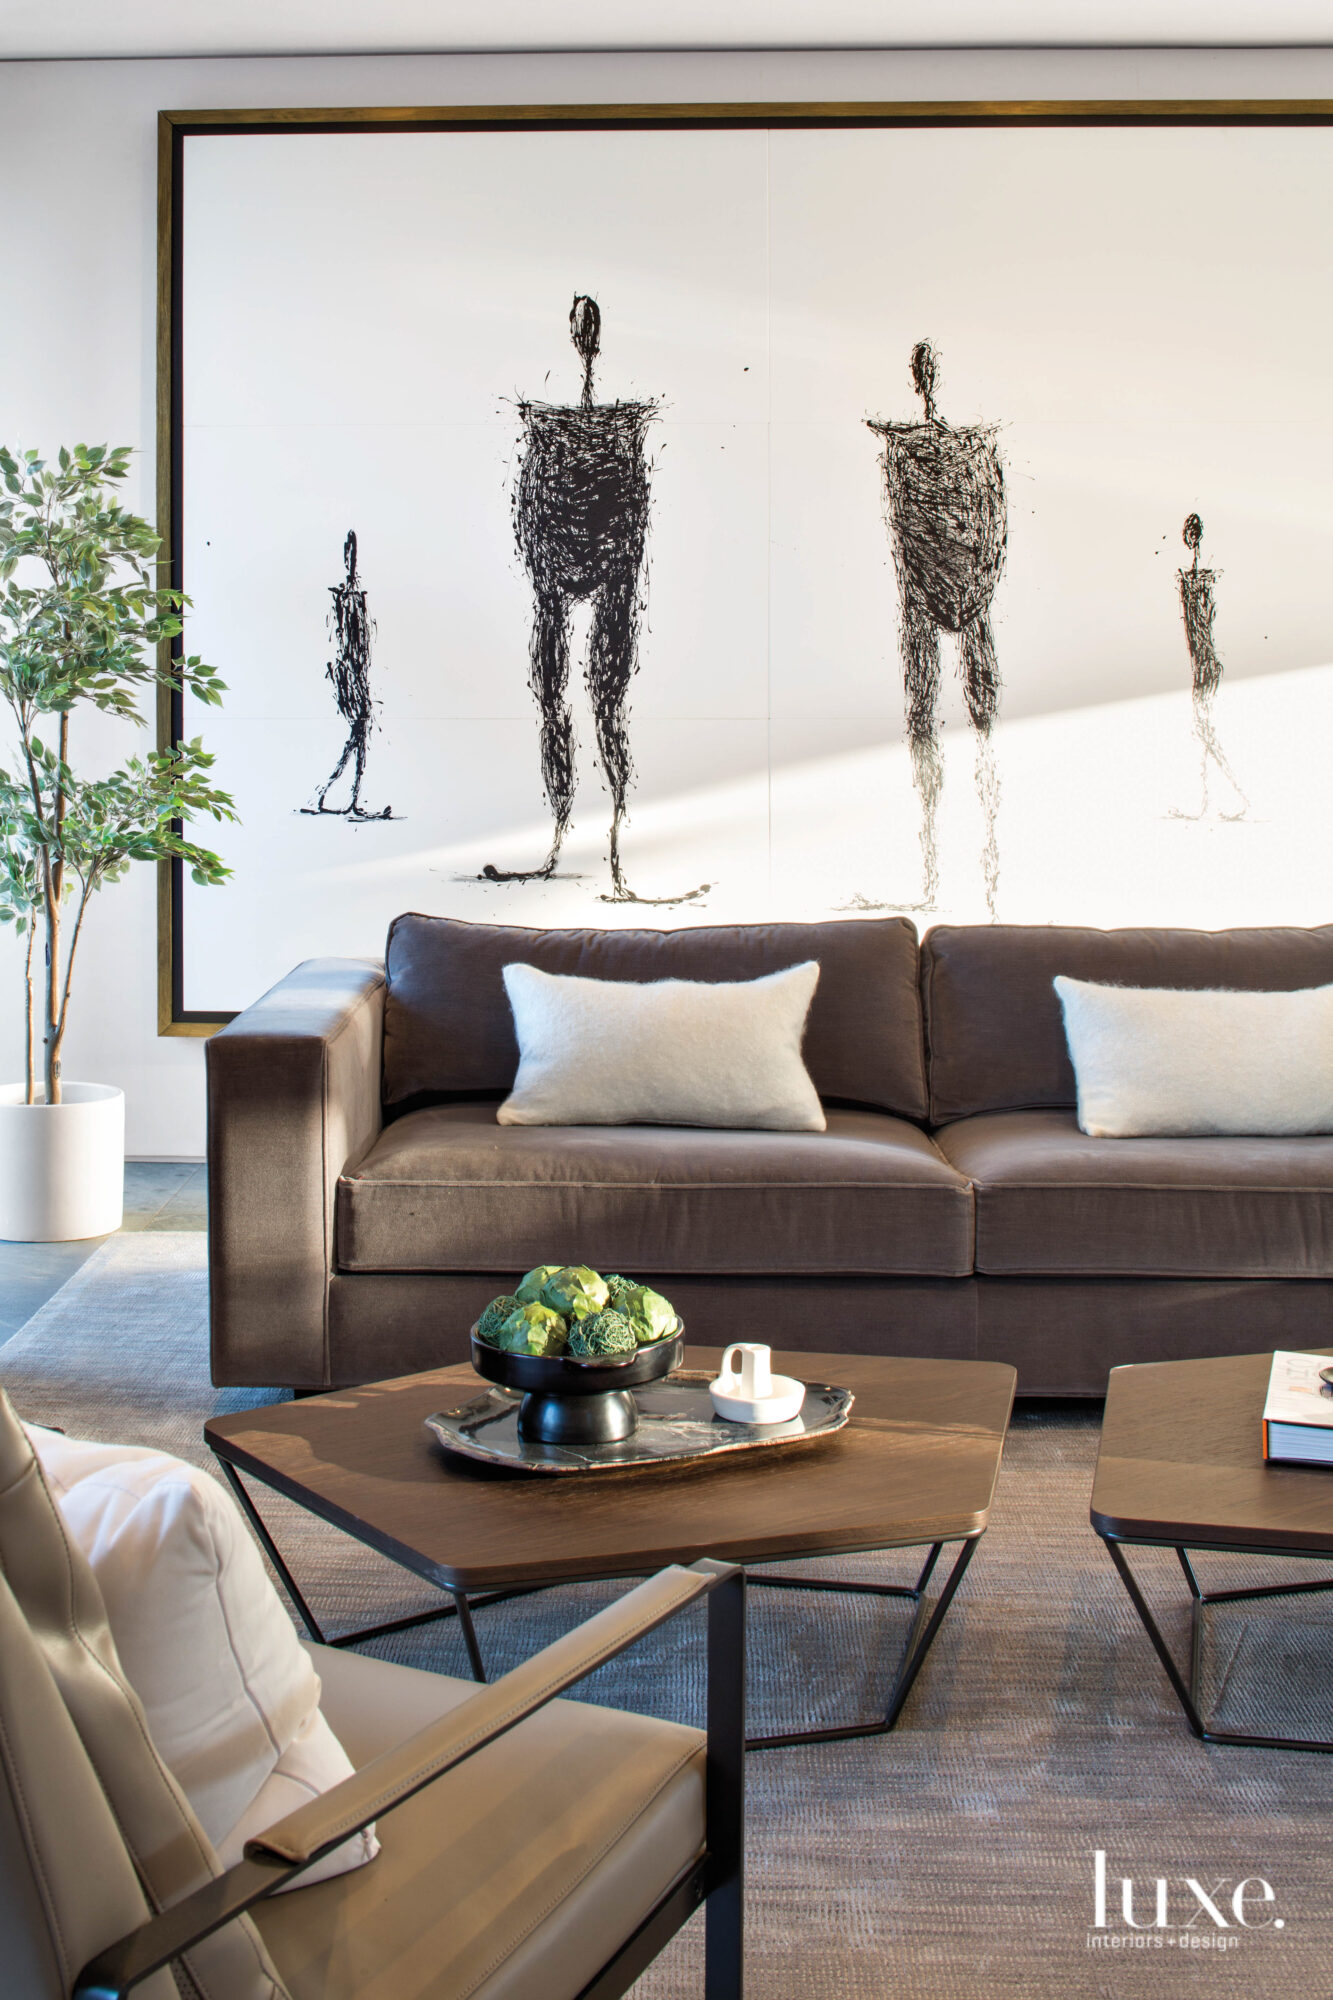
{"points": [[159, 1194]]}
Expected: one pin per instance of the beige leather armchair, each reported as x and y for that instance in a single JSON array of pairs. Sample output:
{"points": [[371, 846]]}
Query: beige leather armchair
{"points": [[531, 1848]]}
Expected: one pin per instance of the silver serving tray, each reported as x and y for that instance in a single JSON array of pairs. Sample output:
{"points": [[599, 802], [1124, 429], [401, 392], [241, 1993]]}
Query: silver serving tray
{"points": [[676, 1421]]}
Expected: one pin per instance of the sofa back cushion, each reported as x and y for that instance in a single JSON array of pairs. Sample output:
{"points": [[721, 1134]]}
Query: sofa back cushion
{"points": [[449, 1033], [994, 1031]]}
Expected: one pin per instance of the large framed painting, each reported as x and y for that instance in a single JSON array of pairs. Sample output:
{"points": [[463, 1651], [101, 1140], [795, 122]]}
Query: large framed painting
{"points": [[690, 514]]}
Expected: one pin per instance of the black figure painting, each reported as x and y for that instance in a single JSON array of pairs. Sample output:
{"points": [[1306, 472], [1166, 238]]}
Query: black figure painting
{"points": [[581, 512], [1200, 606], [944, 489], [351, 628]]}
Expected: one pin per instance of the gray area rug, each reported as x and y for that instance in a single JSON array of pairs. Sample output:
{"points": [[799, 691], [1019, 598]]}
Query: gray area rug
{"points": [[952, 1858]]}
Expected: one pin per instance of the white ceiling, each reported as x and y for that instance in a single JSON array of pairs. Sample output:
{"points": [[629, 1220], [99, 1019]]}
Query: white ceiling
{"points": [[65, 28]]}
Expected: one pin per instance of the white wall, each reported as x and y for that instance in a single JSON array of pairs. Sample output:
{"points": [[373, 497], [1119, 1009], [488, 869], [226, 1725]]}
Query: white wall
{"points": [[77, 276]]}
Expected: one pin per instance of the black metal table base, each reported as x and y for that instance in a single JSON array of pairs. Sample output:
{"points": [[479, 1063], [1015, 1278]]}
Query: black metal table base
{"points": [[1186, 1685], [920, 1638], [458, 1606]]}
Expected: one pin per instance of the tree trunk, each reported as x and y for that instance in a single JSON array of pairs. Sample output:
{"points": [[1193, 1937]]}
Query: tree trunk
{"points": [[54, 1035], [30, 1012], [55, 1029]]}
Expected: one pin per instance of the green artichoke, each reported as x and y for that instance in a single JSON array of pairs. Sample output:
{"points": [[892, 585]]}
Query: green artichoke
{"points": [[528, 1290], [651, 1316], [576, 1291], [617, 1287], [533, 1329], [495, 1315], [601, 1334]]}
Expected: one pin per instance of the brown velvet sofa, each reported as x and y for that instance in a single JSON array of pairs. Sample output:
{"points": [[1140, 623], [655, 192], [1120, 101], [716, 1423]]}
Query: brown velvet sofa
{"points": [[365, 1203]]}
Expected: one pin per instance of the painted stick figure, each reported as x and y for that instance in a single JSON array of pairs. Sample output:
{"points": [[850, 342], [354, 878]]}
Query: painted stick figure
{"points": [[1199, 606], [581, 511], [947, 513], [351, 627]]}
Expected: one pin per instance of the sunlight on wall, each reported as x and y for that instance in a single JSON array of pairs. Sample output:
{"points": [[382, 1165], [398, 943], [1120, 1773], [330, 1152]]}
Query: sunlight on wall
{"points": [[1088, 832]]}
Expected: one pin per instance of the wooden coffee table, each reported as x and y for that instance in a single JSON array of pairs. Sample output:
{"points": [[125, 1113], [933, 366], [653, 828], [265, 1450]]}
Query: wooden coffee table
{"points": [[915, 1467], [1181, 1466]]}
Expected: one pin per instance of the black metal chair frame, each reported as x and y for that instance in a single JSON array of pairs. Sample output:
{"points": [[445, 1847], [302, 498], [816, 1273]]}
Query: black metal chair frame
{"points": [[715, 1878], [1186, 1683]]}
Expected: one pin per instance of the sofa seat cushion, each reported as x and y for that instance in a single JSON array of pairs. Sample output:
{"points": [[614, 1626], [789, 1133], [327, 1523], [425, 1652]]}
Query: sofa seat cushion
{"points": [[447, 1189], [1050, 1200]]}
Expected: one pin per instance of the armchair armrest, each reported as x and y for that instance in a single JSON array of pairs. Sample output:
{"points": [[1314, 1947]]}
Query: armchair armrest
{"points": [[390, 1780], [323, 1824], [293, 1098]]}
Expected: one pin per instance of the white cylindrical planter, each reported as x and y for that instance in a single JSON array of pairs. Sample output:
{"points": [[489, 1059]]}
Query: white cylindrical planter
{"points": [[62, 1166]]}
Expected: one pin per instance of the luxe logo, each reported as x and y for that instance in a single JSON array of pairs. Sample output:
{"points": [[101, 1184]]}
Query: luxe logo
{"points": [[1183, 1911]]}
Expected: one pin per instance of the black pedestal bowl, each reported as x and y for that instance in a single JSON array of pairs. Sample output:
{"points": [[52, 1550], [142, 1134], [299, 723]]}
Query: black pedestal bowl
{"points": [[569, 1401]]}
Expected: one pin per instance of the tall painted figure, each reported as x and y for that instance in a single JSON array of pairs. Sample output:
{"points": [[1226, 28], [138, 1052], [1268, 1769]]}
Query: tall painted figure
{"points": [[948, 517], [1200, 607], [581, 511], [350, 628]]}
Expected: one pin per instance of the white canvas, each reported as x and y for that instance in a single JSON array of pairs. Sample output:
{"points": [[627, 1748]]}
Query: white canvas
{"points": [[1139, 312]]}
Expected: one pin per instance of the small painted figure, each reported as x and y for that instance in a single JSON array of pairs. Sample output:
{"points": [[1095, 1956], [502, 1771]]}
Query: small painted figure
{"points": [[947, 513], [1200, 607], [350, 627], [581, 512]]}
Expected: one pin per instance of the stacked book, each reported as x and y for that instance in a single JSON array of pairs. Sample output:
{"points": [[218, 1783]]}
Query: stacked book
{"points": [[1298, 1414]]}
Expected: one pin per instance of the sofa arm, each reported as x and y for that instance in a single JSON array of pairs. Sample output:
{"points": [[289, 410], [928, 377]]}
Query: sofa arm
{"points": [[293, 1099]]}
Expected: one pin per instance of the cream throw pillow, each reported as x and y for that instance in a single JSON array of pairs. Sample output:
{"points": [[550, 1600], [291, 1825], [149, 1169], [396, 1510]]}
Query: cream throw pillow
{"points": [[231, 1695], [669, 1052], [1157, 1062]]}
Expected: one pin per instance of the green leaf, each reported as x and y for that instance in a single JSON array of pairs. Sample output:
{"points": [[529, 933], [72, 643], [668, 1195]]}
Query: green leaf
{"points": [[81, 624]]}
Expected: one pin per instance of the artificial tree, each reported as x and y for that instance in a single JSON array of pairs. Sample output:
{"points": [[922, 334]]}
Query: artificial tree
{"points": [[82, 620]]}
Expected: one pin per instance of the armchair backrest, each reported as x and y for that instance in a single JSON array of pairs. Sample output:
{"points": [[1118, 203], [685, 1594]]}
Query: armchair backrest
{"points": [[94, 1831], [67, 1885]]}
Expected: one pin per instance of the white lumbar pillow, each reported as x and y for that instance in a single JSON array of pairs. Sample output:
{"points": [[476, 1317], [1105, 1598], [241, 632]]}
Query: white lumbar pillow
{"points": [[668, 1052], [1157, 1062], [231, 1695]]}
